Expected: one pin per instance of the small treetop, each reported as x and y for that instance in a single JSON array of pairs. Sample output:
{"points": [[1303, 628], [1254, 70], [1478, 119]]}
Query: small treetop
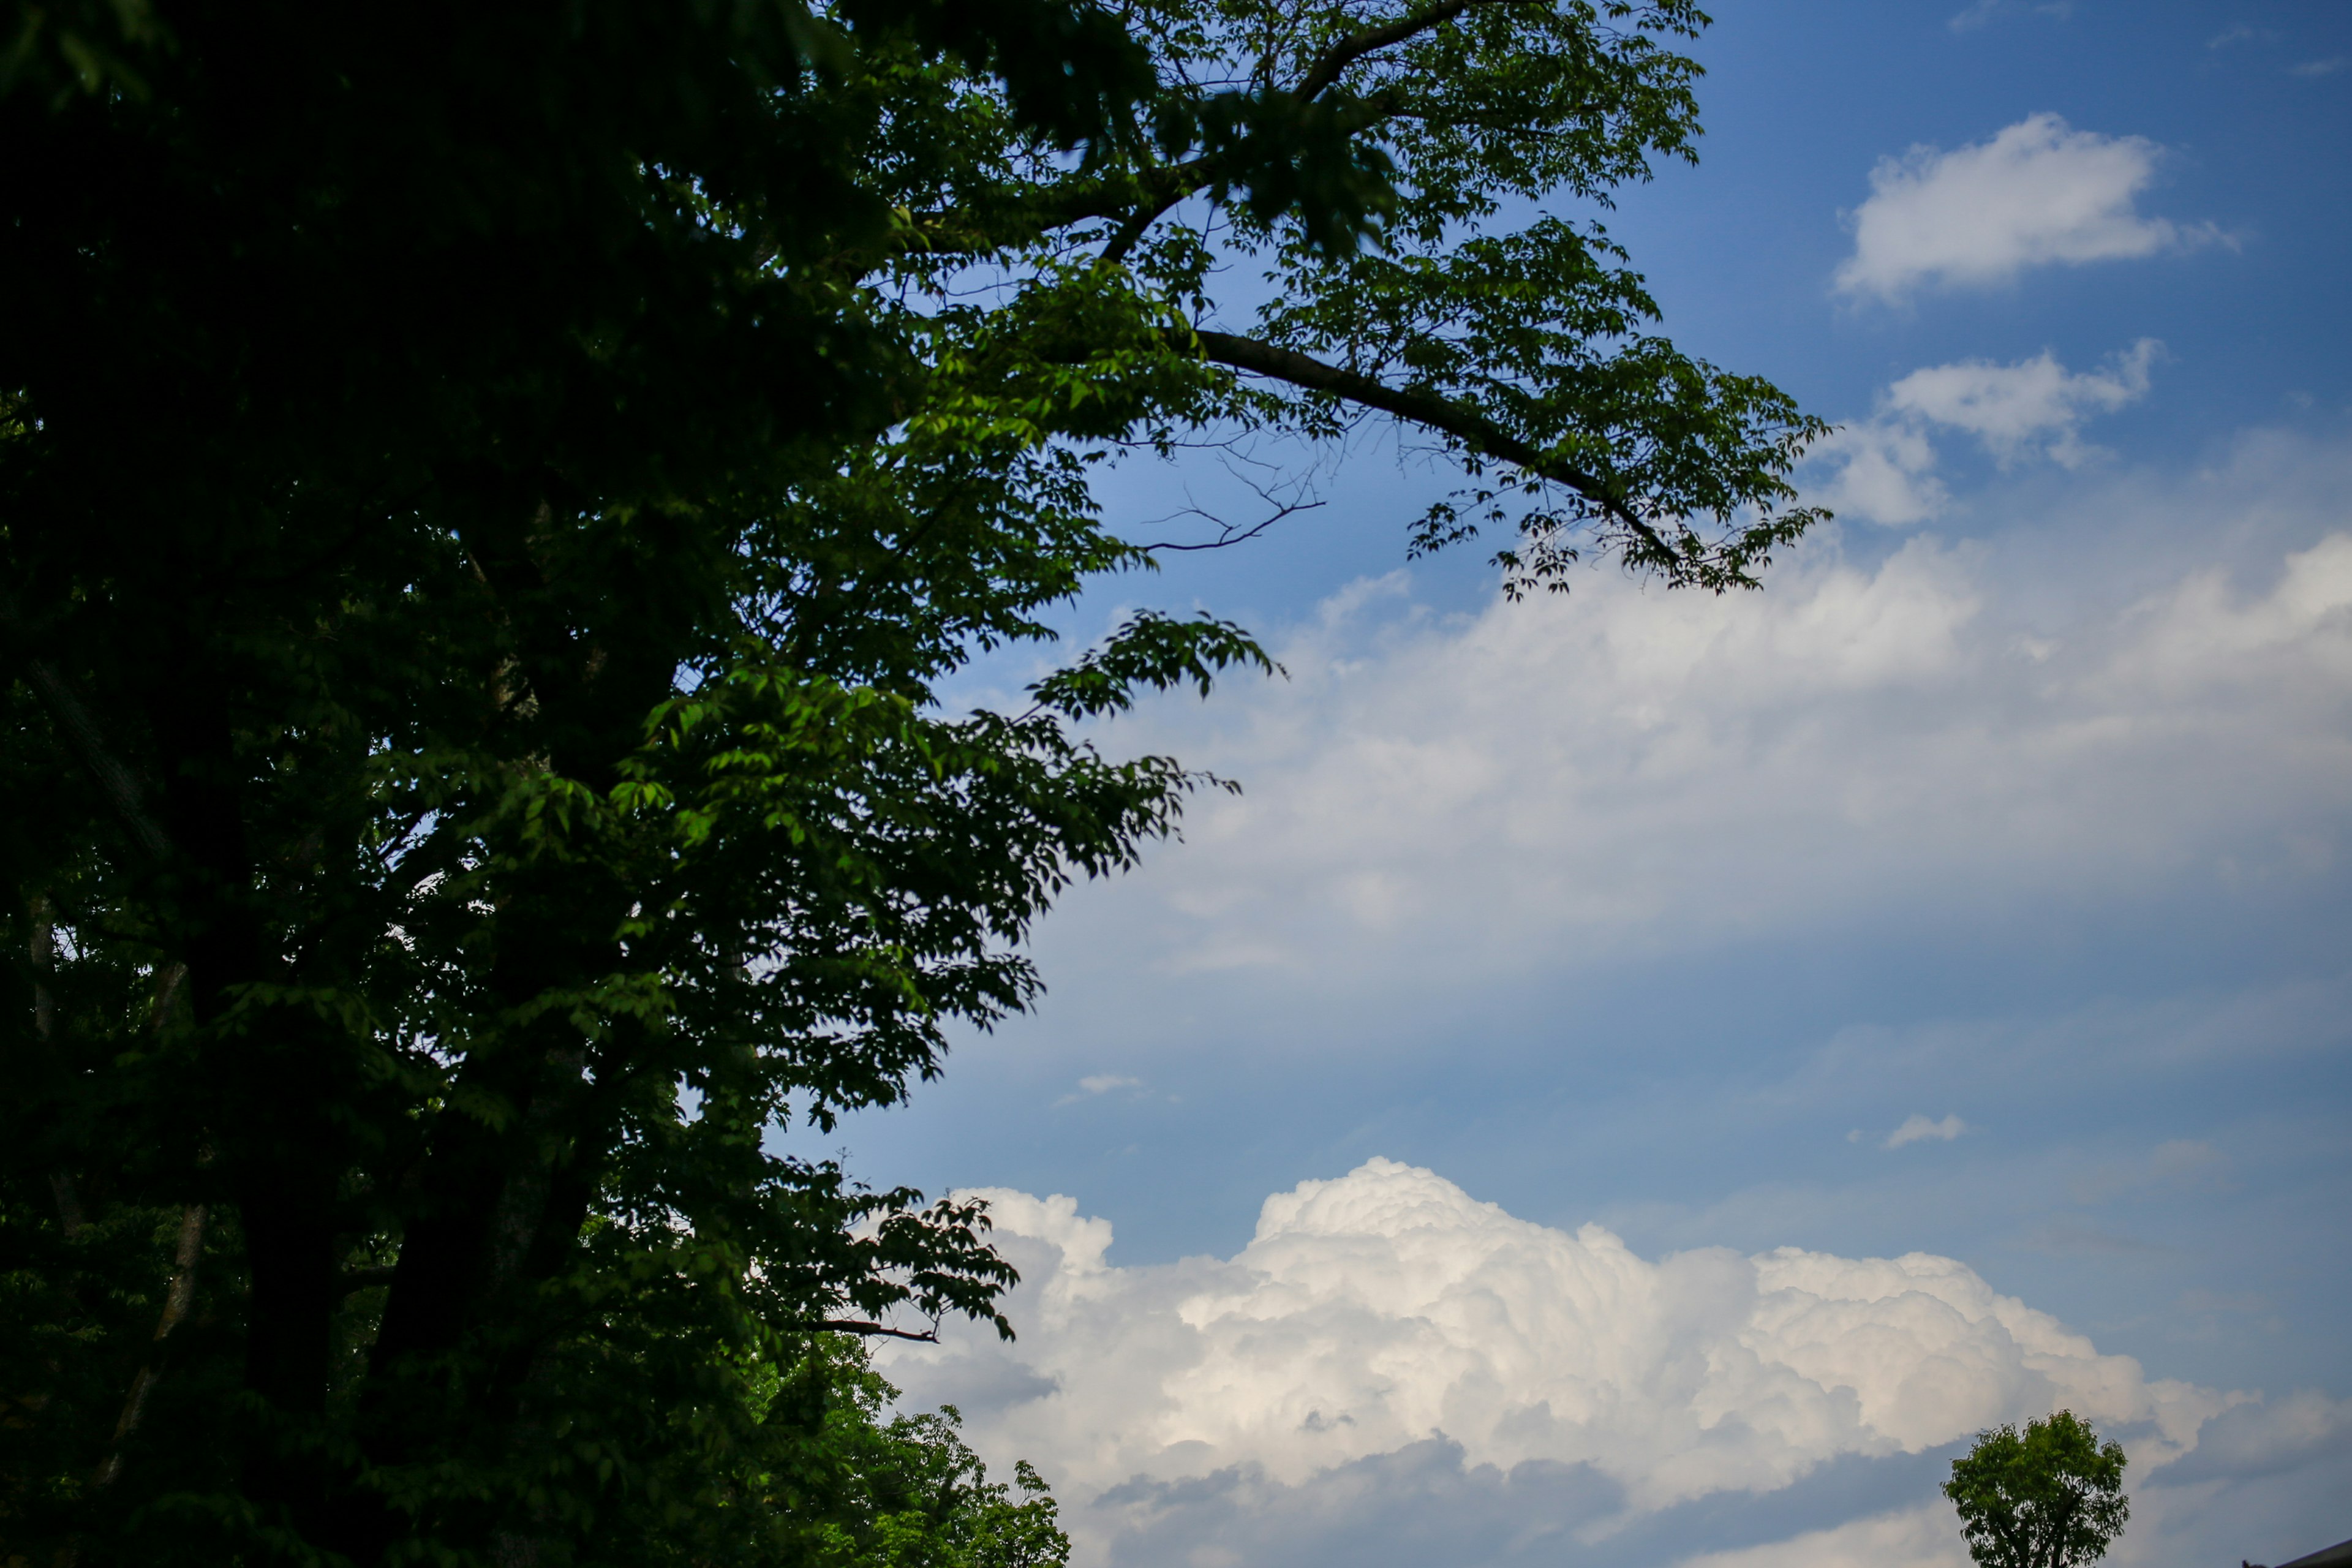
{"points": [[2050, 1497]]}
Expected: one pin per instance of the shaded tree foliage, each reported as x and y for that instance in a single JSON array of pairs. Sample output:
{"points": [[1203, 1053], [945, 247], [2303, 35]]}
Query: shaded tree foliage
{"points": [[2049, 1497], [488, 495]]}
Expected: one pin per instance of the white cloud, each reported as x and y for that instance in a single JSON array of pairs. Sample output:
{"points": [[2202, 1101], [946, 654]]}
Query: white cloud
{"points": [[1917, 1129], [1883, 468], [1386, 1322], [1983, 11], [1095, 1084], [2327, 66], [2035, 403], [1621, 772], [1883, 473], [2038, 193], [1928, 1536]]}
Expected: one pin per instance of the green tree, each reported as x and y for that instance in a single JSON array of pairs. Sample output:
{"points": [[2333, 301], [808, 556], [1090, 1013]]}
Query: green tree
{"points": [[2049, 1497], [488, 495]]}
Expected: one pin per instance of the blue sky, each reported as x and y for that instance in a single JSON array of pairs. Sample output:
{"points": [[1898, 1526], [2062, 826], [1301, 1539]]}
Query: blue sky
{"points": [[2015, 812]]}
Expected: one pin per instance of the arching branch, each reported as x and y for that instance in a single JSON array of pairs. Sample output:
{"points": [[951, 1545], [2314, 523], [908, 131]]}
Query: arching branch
{"points": [[1427, 408]]}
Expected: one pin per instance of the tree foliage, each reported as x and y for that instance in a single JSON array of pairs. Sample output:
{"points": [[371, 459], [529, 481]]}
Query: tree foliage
{"points": [[2049, 1497], [489, 496]]}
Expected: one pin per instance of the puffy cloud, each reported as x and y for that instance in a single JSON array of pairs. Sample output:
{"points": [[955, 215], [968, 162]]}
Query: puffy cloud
{"points": [[2016, 408], [1917, 1129], [2038, 193], [1386, 1336], [1881, 468]]}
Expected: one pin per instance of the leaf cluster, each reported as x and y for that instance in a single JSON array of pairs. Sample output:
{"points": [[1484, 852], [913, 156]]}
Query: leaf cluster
{"points": [[2050, 1495]]}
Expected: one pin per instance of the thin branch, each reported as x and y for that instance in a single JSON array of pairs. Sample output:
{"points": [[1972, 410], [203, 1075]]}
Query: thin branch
{"points": [[1231, 533]]}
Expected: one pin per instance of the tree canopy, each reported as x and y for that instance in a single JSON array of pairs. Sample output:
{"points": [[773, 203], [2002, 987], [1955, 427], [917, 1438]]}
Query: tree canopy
{"points": [[2049, 1497], [488, 495]]}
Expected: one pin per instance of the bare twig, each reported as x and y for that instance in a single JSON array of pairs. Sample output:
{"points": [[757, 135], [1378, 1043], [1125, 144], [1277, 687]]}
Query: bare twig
{"points": [[1232, 534]]}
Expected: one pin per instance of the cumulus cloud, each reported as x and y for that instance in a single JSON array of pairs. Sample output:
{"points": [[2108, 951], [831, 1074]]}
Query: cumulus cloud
{"points": [[1385, 1335], [1881, 468], [1917, 1129], [2038, 193], [2034, 405]]}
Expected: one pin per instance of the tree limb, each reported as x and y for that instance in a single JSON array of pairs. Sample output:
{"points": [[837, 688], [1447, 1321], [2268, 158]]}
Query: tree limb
{"points": [[859, 1326], [1163, 187], [175, 1307], [1366, 40], [1475, 430]]}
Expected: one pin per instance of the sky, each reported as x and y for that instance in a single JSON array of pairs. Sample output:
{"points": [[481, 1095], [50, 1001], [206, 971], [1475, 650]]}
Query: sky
{"points": [[1645, 1076]]}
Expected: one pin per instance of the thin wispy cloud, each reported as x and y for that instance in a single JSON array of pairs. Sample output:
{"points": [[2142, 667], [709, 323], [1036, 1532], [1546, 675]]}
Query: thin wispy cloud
{"points": [[1095, 1084], [2241, 34], [1983, 11], [2039, 192]]}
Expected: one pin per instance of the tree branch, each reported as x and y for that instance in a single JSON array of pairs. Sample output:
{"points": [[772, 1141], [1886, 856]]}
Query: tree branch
{"points": [[1365, 40], [1163, 187], [859, 1326], [1428, 408], [175, 1307]]}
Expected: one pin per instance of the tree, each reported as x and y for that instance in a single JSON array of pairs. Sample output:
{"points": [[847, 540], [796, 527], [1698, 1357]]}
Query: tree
{"points": [[488, 498], [2050, 1497]]}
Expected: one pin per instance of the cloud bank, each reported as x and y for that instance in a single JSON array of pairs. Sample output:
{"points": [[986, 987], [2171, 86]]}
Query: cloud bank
{"points": [[1387, 1347], [1620, 771], [2039, 192]]}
